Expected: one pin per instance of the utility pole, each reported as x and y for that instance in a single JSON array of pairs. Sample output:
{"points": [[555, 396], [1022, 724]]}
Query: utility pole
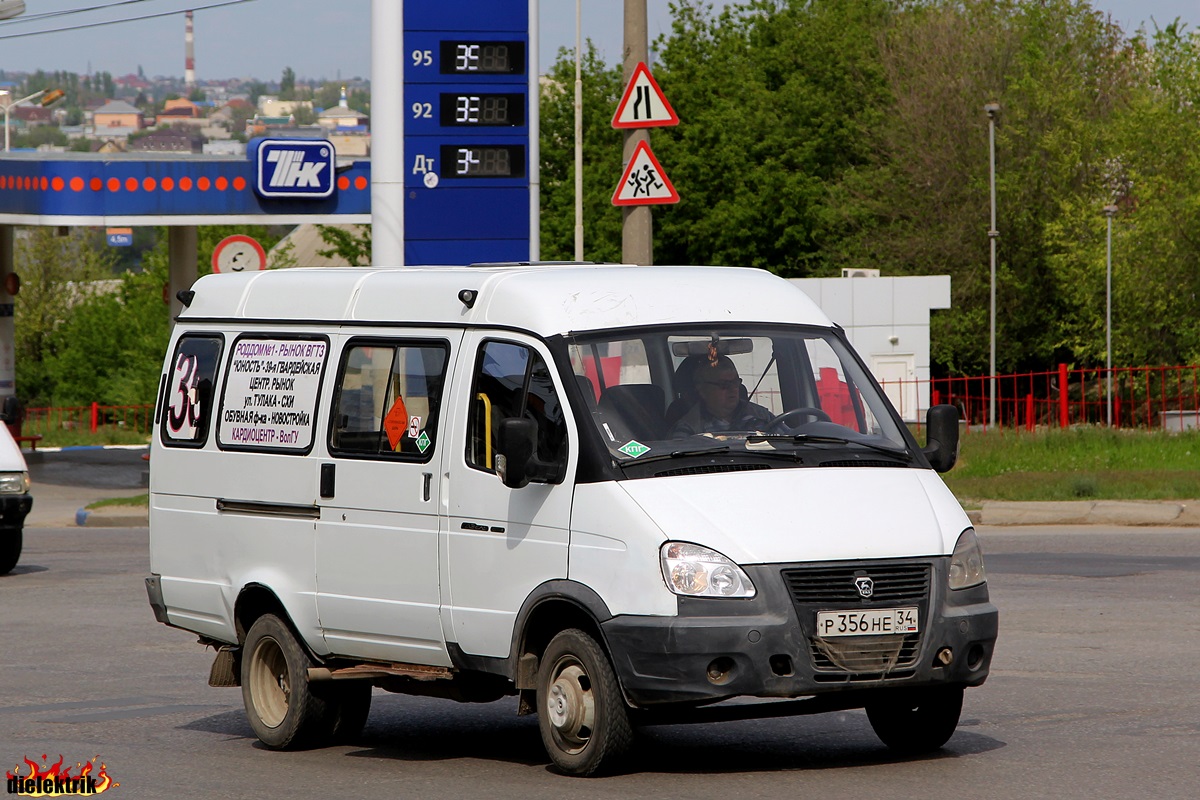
{"points": [[637, 233]]}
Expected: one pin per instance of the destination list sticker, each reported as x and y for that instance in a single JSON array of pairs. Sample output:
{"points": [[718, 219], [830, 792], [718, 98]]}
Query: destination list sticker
{"points": [[271, 393]]}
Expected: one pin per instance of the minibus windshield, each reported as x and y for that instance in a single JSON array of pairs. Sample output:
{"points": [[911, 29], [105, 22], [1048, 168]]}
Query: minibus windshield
{"points": [[760, 390]]}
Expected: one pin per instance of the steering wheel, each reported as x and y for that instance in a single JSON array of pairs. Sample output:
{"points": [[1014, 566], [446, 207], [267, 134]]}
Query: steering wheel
{"points": [[781, 421]]}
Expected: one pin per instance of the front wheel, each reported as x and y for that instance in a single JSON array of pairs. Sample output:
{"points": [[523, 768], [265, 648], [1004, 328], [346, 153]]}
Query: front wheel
{"points": [[916, 722], [581, 714], [10, 549], [280, 705]]}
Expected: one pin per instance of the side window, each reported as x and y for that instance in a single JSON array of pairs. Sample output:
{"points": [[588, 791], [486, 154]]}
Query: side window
{"points": [[512, 380], [188, 398], [269, 399], [837, 395], [387, 399]]}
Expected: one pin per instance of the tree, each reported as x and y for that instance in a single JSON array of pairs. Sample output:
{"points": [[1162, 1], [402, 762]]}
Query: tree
{"points": [[1060, 73], [601, 153], [287, 84], [356, 250], [776, 100], [303, 114], [56, 272]]}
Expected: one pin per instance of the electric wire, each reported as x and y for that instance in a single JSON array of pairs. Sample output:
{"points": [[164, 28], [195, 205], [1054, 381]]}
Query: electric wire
{"points": [[122, 21]]}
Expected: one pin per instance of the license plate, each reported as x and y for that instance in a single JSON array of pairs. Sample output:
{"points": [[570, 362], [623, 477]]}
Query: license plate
{"points": [[867, 622]]}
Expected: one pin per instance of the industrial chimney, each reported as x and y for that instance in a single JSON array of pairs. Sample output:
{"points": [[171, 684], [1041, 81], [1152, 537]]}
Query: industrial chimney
{"points": [[189, 41]]}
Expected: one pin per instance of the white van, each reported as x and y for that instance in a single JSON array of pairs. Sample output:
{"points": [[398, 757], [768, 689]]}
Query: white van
{"points": [[624, 494], [15, 500]]}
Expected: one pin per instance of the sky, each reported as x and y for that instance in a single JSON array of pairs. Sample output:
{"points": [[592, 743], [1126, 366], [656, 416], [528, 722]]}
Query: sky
{"points": [[327, 39]]}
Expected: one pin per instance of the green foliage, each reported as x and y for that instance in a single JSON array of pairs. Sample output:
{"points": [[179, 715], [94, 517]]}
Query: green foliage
{"points": [[81, 341], [825, 134], [1076, 464], [601, 159], [355, 249], [287, 84], [304, 115], [775, 98], [54, 272]]}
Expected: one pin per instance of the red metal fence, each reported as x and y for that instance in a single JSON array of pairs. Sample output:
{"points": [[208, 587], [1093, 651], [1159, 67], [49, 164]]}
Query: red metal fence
{"points": [[1142, 397], [93, 419]]}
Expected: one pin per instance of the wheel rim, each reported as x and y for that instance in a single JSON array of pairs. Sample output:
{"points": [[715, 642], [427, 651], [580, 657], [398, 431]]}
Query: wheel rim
{"points": [[570, 706], [270, 685]]}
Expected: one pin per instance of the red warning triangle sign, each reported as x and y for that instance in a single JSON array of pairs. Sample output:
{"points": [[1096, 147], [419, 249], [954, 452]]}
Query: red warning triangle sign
{"points": [[644, 105], [644, 182]]}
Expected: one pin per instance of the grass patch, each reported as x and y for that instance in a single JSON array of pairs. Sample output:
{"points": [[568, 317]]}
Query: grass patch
{"points": [[137, 501], [1076, 464], [78, 438]]}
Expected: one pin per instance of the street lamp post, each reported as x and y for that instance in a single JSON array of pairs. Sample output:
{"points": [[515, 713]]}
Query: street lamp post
{"points": [[8, 107], [1109, 211], [992, 110]]}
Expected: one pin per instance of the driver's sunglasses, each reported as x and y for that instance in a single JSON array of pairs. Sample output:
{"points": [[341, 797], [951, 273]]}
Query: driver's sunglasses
{"points": [[732, 383]]}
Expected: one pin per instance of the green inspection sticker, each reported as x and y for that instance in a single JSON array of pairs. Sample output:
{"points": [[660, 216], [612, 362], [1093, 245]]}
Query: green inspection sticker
{"points": [[633, 449], [423, 442]]}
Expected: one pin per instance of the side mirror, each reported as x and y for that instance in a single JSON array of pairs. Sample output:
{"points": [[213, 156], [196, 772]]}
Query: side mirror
{"points": [[514, 451], [10, 411], [941, 447]]}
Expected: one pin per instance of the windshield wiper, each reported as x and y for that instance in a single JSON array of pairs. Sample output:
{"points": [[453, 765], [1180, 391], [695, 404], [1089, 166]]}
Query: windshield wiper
{"points": [[694, 451], [810, 438]]}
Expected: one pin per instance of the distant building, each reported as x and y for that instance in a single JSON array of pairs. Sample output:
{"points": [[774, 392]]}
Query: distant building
{"points": [[271, 106], [301, 248], [117, 118], [168, 140], [108, 146], [131, 82], [30, 116], [342, 116], [225, 147], [180, 107]]}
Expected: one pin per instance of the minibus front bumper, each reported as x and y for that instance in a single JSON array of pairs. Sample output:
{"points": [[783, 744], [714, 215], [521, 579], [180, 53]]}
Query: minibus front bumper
{"points": [[767, 646]]}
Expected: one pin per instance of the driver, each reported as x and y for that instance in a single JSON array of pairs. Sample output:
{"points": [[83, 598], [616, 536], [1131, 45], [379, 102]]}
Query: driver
{"points": [[720, 406]]}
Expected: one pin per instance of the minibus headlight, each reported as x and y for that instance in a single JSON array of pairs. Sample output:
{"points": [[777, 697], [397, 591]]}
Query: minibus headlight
{"points": [[966, 563], [14, 482], [696, 571]]}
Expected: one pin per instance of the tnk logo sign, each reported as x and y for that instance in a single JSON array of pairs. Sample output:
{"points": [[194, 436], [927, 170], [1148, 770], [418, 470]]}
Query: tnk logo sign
{"points": [[294, 168]]}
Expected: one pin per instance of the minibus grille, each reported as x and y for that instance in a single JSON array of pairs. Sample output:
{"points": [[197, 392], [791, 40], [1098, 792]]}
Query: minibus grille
{"points": [[860, 658], [865, 657], [892, 583]]}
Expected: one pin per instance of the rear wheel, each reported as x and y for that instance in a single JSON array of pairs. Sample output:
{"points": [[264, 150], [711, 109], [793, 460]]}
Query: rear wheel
{"points": [[10, 549], [280, 704], [917, 722], [581, 714]]}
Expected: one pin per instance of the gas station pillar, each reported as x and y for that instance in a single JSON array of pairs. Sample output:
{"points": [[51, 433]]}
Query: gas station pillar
{"points": [[182, 244]]}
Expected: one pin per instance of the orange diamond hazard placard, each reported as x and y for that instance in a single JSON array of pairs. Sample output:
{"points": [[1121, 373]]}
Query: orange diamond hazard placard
{"points": [[644, 182], [395, 423], [644, 105]]}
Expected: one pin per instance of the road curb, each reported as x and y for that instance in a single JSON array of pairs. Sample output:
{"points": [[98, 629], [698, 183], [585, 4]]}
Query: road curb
{"points": [[112, 517], [1178, 513]]}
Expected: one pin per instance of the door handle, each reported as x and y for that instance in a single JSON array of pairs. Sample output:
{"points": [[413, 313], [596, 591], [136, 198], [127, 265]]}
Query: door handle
{"points": [[428, 481], [327, 483]]}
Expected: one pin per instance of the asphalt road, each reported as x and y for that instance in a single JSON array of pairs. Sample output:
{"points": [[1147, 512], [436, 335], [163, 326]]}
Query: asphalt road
{"points": [[1092, 695]]}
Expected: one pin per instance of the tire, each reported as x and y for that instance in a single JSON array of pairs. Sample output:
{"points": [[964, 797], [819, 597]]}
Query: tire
{"points": [[917, 722], [280, 705], [10, 549], [581, 713], [350, 705]]}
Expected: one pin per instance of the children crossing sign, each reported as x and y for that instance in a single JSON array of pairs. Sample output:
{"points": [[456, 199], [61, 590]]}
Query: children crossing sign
{"points": [[644, 105], [644, 182]]}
